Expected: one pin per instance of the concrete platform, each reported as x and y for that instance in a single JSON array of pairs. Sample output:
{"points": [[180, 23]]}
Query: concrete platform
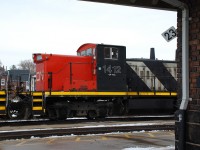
{"points": [[155, 140]]}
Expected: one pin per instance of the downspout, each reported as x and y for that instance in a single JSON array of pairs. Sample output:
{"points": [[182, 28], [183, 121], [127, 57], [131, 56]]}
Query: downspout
{"points": [[180, 115]]}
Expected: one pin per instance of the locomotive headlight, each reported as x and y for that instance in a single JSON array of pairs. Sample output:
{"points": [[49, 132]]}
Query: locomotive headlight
{"points": [[16, 99]]}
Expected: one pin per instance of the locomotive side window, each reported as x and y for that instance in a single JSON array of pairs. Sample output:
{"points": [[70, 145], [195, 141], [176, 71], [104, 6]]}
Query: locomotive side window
{"points": [[110, 53], [89, 52], [39, 57], [83, 53], [107, 52], [94, 53]]}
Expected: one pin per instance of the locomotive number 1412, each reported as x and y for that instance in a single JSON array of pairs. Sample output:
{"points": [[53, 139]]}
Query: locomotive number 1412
{"points": [[111, 70]]}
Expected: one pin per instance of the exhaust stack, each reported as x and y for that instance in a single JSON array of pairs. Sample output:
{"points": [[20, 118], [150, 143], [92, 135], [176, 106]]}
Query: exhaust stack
{"points": [[152, 54]]}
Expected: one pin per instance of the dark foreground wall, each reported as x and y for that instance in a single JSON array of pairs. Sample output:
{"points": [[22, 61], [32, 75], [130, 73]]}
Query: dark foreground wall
{"points": [[192, 125]]}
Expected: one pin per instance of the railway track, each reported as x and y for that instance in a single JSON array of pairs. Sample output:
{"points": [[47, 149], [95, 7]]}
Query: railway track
{"points": [[33, 122], [45, 128], [18, 134]]}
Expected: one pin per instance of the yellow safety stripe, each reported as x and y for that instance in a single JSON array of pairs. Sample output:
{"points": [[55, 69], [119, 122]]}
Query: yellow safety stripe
{"points": [[152, 93], [37, 93], [166, 93], [37, 108], [2, 93], [37, 100], [111, 93], [85, 93], [2, 99], [2, 108]]}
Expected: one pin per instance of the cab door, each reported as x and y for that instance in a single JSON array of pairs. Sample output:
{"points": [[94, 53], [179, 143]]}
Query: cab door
{"points": [[111, 68]]}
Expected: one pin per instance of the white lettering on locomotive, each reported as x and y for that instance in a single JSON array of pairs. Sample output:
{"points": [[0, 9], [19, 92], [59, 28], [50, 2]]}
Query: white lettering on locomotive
{"points": [[112, 70], [39, 76]]}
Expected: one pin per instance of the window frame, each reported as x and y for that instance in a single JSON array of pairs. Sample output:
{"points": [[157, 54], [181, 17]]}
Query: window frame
{"points": [[111, 53]]}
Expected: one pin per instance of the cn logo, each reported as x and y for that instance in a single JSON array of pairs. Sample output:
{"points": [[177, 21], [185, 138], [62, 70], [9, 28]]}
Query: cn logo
{"points": [[39, 76]]}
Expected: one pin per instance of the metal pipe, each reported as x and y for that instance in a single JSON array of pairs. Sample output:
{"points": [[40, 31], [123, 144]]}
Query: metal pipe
{"points": [[185, 59]]}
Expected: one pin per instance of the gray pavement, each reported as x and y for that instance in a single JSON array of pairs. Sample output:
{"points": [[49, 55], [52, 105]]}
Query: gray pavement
{"points": [[114, 141]]}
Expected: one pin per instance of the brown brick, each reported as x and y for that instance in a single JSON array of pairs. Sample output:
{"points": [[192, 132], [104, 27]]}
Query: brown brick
{"points": [[194, 74], [198, 69], [193, 36], [193, 102], [198, 47], [193, 107], [193, 58], [198, 24], [193, 42], [193, 47], [193, 80], [195, 63], [196, 30], [195, 19], [193, 25]]}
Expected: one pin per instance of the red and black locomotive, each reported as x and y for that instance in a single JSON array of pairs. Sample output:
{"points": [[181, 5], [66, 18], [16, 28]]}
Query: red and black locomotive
{"points": [[98, 82]]}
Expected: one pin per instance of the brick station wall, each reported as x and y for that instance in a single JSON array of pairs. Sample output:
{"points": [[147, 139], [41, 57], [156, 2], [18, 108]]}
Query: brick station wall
{"points": [[193, 111]]}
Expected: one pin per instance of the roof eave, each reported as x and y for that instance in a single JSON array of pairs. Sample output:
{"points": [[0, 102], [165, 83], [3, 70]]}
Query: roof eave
{"points": [[152, 4]]}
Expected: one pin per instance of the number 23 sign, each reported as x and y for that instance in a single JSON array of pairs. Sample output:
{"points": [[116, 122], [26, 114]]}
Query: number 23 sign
{"points": [[169, 34]]}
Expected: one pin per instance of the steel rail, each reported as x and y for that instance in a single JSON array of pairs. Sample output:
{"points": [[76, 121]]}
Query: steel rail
{"points": [[18, 134], [32, 122]]}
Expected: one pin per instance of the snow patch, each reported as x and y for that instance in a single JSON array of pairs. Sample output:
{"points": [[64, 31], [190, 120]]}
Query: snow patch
{"points": [[151, 148]]}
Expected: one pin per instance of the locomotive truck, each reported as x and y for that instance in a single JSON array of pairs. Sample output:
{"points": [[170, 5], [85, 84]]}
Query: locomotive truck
{"points": [[100, 81]]}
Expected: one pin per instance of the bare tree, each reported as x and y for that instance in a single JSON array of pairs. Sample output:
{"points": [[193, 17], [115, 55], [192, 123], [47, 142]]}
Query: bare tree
{"points": [[13, 67], [2, 69], [27, 65]]}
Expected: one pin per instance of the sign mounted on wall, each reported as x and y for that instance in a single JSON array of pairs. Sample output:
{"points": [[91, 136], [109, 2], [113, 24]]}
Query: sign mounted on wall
{"points": [[169, 34]]}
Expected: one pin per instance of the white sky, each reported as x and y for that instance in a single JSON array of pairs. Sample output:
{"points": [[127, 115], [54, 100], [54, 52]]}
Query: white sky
{"points": [[61, 26]]}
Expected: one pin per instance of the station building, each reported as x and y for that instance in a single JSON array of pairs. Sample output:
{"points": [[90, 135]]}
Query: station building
{"points": [[16, 78]]}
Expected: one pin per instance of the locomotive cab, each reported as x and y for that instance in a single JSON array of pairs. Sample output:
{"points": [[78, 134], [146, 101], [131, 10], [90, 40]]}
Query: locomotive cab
{"points": [[111, 68], [110, 63]]}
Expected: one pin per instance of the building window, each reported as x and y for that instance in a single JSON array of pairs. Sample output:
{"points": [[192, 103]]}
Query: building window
{"points": [[147, 74], [175, 73], [170, 70], [3, 82], [142, 74]]}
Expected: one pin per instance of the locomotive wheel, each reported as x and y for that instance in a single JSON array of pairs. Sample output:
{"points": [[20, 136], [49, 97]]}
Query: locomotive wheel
{"points": [[61, 114], [57, 114], [119, 108], [19, 111], [91, 114], [103, 113], [52, 114]]}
